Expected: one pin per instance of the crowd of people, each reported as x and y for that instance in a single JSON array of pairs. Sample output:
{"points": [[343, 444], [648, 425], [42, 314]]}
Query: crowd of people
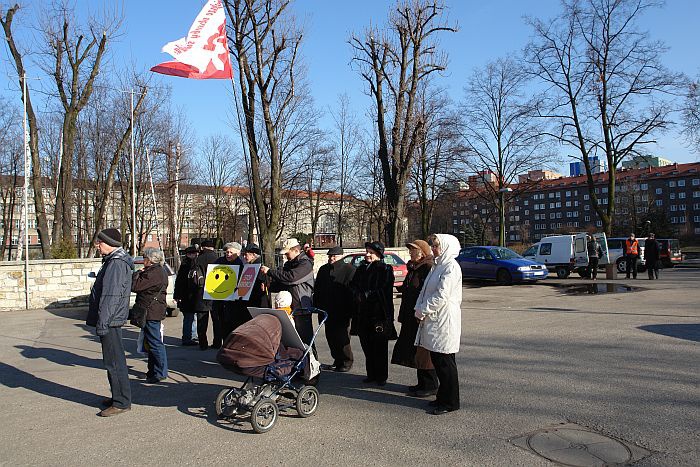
{"points": [[359, 301]]}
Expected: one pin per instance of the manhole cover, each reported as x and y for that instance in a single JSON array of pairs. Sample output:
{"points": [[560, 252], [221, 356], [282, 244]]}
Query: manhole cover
{"points": [[574, 445]]}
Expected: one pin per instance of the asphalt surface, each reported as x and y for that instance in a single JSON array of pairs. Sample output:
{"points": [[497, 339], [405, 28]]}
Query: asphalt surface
{"points": [[624, 364]]}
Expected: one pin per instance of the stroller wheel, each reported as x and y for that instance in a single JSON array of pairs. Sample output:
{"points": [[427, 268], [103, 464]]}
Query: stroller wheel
{"points": [[222, 408], [264, 415], [307, 401]]}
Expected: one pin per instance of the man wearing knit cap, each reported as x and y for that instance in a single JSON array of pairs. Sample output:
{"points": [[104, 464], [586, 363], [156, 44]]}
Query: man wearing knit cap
{"points": [[108, 312]]}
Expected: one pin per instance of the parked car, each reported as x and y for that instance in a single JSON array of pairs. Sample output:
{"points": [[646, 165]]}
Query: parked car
{"points": [[564, 254], [670, 252], [170, 302], [501, 264], [392, 259], [616, 252]]}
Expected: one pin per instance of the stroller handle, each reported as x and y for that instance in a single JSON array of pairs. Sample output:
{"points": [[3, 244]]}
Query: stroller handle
{"points": [[312, 310]]}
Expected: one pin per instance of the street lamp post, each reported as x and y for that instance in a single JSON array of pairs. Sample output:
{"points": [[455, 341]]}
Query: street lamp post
{"points": [[502, 215]]}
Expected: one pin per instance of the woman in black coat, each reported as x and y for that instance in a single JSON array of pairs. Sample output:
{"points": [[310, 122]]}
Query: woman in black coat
{"points": [[150, 285], [652, 253], [405, 349], [373, 317]]}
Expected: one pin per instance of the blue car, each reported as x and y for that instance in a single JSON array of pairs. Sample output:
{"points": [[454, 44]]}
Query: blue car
{"points": [[501, 264]]}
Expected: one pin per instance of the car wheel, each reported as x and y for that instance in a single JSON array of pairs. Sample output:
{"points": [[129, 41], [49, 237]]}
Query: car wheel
{"points": [[621, 266], [172, 312], [503, 277], [562, 272], [583, 272]]}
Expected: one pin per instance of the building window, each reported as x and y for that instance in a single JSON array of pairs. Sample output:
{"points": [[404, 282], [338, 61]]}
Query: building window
{"points": [[525, 203], [672, 195], [681, 207], [552, 205], [552, 215], [659, 202], [551, 195], [674, 220], [568, 194], [575, 204], [587, 207], [672, 183], [681, 195], [558, 215], [587, 218], [599, 223], [674, 207], [558, 194], [586, 197], [558, 204], [696, 182], [644, 186], [568, 204], [696, 194], [527, 212], [681, 182], [659, 191], [696, 206], [696, 218]]}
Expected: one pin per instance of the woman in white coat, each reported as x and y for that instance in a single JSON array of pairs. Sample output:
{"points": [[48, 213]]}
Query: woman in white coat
{"points": [[439, 312]]}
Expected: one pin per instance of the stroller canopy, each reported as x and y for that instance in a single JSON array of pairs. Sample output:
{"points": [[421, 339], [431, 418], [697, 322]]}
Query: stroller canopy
{"points": [[252, 344]]}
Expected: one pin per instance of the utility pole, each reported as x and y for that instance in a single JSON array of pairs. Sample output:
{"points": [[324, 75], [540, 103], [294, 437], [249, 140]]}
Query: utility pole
{"points": [[133, 181], [176, 209], [25, 211]]}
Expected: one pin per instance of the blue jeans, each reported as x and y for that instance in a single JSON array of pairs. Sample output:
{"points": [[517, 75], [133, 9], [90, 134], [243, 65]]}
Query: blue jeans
{"points": [[114, 360], [157, 358], [189, 327]]}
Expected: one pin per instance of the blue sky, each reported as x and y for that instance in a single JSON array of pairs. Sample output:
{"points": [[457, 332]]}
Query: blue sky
{"points": [[487, 30]]}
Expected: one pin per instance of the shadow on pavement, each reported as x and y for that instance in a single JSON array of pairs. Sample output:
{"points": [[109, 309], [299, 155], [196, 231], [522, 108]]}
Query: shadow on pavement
{"points": [[689, 332]]}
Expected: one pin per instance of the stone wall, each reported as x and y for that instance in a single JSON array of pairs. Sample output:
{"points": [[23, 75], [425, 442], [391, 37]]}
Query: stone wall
{"points": [[52, 283]]}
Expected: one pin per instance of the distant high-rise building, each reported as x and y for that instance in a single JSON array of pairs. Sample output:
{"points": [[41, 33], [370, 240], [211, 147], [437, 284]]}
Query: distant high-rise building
{"points": [[578, 168], [643, 162]]}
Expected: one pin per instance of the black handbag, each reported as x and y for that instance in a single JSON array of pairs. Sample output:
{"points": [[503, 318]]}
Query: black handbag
{"points": [[138, 314]]}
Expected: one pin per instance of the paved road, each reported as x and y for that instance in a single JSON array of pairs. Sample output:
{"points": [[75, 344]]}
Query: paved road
{"points": [[624, 364]]}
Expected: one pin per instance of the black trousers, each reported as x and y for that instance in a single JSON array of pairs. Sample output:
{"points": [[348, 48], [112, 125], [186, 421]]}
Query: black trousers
{"points": [[593, 266], [203, 325], [653, 269], [446, 369], [427, 380], [338, 337], [114, 360], [631, 265], [376, 350]]}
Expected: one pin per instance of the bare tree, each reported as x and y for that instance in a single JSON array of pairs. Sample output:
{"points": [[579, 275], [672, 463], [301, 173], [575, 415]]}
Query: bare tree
{"points": [[347, 143], [394, 63], [691, 115], [436, 154], [36, 181], [502, 134], [607, 82], [265, 43], [219, 171], [73, 59], [10, 163]]}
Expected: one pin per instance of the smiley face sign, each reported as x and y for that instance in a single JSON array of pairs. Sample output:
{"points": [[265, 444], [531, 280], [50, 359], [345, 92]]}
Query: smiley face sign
{"points": [[220, 282]]}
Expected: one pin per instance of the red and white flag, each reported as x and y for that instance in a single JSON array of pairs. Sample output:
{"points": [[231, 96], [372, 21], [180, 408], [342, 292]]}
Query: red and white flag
{"points": [[203, 54]]}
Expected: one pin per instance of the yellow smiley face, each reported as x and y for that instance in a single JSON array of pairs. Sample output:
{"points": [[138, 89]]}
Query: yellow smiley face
{"points": [[220, 282]]}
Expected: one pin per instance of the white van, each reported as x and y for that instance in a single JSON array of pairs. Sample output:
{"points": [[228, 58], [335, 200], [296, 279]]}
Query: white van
{"points": [[566, 253]]}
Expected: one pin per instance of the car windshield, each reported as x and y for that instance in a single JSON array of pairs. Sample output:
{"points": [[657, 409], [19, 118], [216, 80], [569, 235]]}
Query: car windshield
{"points": [[504, 253]]}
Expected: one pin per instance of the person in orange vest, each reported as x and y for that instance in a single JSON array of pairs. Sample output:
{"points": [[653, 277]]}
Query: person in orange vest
{"points": [[631, 256]]}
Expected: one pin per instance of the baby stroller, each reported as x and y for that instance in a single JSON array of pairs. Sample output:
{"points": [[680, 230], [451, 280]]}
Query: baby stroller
{"points": [[279, 366]]}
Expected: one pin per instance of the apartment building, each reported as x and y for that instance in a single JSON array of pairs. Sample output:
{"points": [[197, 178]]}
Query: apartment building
{"points": [[563, 204]]}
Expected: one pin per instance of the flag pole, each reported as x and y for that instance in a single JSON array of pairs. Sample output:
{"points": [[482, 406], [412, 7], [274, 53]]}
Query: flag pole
{"points": [[27, 165]]}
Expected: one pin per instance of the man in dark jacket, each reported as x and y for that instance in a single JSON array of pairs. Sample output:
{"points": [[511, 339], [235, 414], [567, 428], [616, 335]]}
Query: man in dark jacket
{"points": [[108, 312], [206, 257], [652, 252], [184, 294], [594, 254], [297, 277], [260, 295], [333, 295]]}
